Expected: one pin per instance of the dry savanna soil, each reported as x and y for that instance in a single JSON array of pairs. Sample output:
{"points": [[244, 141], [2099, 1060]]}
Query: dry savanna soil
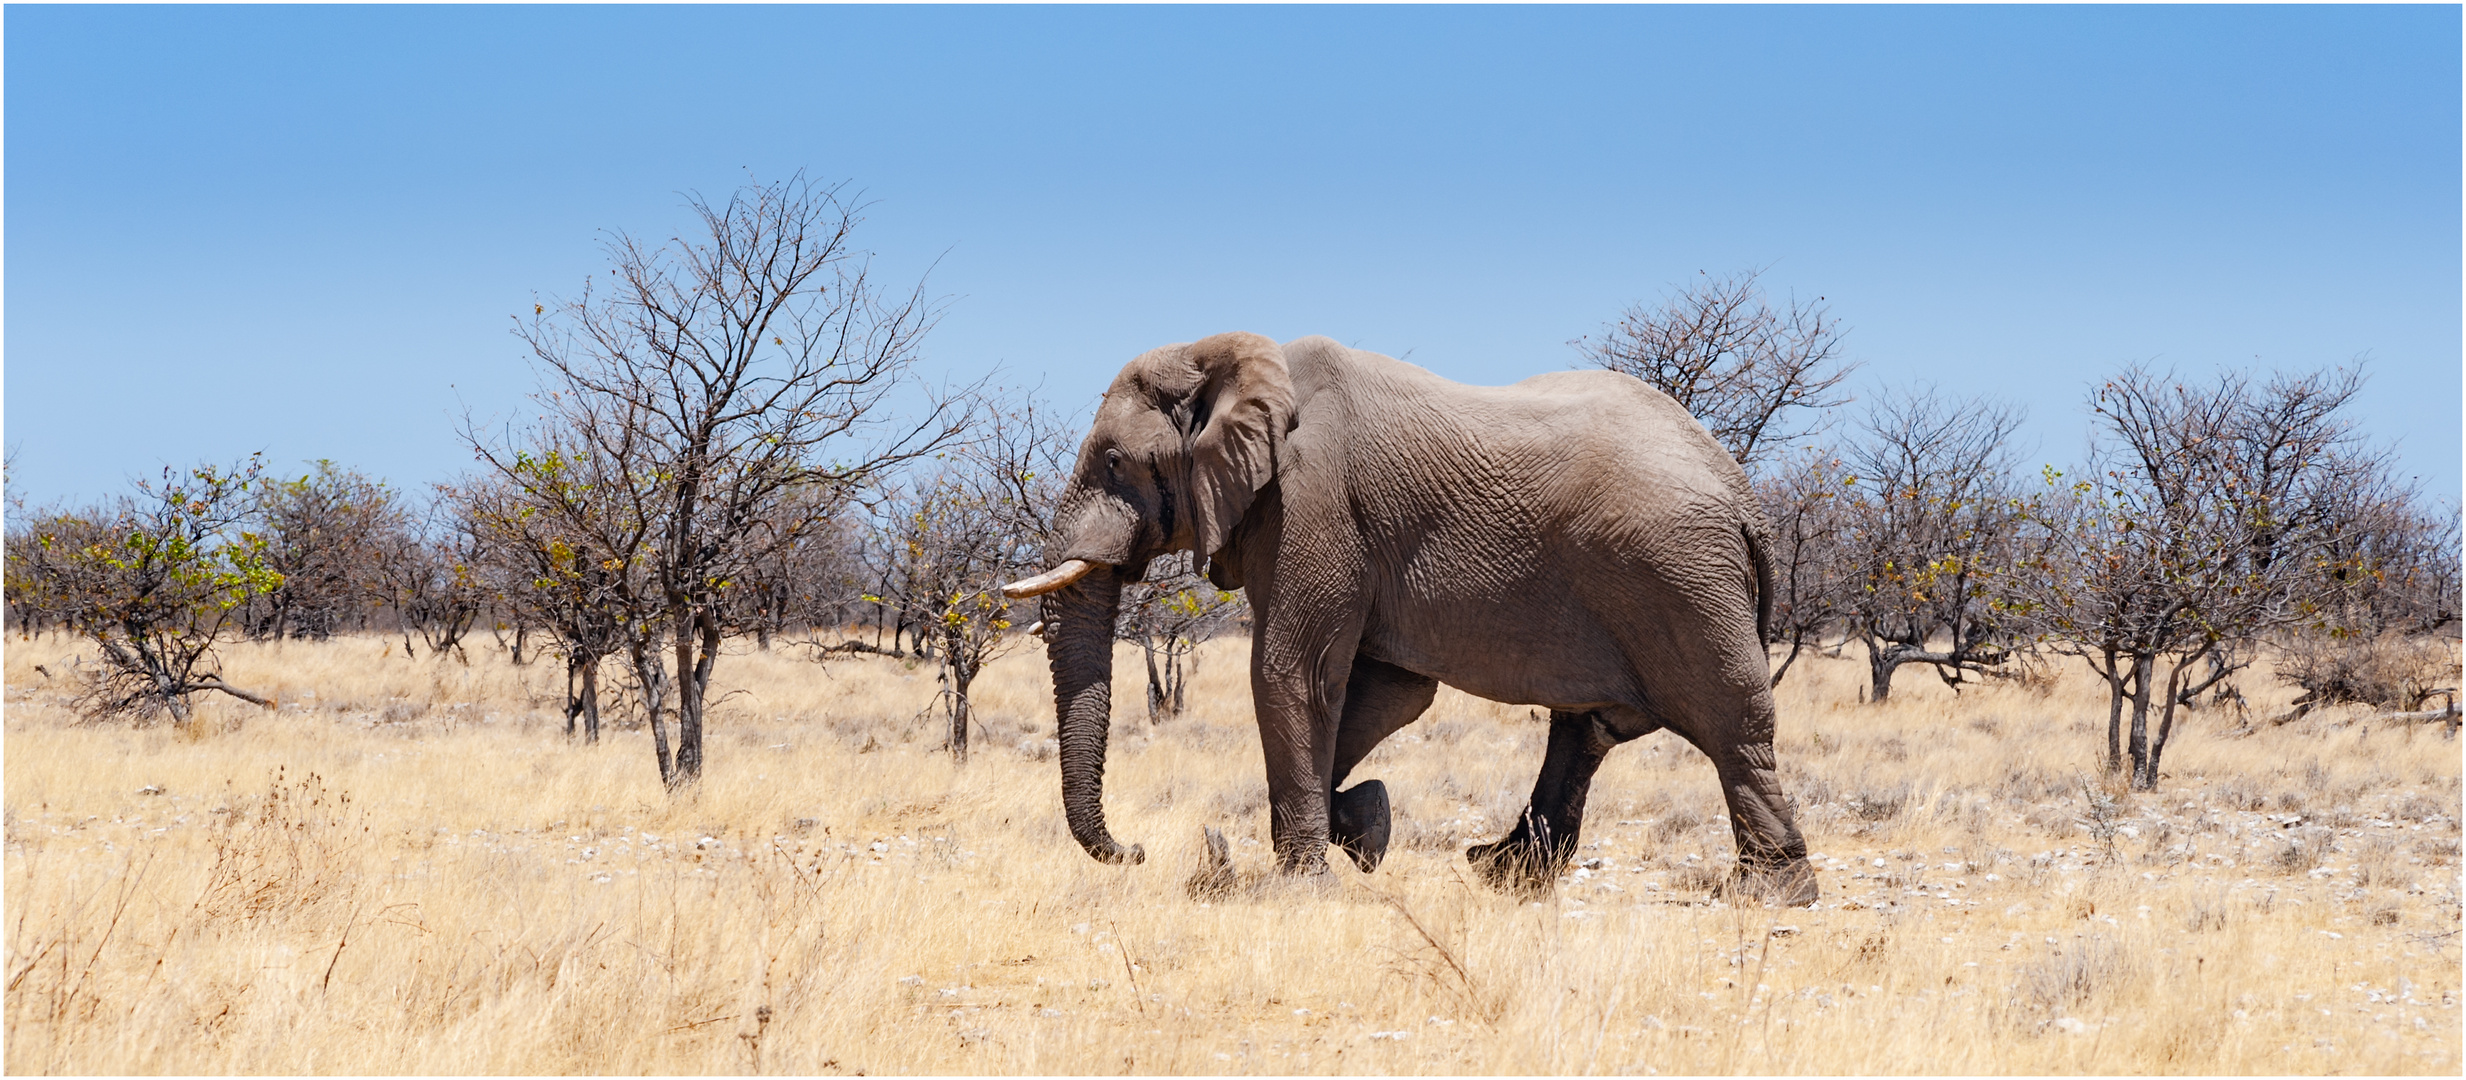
{"points": [[407, 867]]}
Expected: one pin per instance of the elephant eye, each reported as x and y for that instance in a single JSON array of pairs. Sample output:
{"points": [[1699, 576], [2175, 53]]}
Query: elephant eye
{"points": [[1113, 462]]}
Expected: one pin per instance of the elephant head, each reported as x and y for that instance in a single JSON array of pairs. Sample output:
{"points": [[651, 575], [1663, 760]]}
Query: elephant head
{"points": [[1184, 440]]}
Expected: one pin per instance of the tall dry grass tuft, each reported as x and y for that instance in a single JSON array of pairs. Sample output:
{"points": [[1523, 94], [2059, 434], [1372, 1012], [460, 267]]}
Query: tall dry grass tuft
{"points": [[407, 868]]}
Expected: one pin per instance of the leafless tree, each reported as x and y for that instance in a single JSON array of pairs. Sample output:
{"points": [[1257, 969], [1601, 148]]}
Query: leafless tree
{"points": [[2213, 512], [2393, 562], [1169, 615], [1933, 539], [152, 581], [568, 563], [326, 534], [1804, 500], [950, 587], [806, 583], [1757, 377], [2389, 576], [712, 379], [962, 526], [430, 569], [34, 605]]}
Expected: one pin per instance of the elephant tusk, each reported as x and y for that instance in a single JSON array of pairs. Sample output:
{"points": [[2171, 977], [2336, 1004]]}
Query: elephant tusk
{"points": [[1071, 570]]}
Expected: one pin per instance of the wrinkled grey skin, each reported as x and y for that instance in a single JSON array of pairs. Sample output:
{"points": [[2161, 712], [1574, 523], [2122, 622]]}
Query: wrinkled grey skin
{"points": [[1575, 541]]}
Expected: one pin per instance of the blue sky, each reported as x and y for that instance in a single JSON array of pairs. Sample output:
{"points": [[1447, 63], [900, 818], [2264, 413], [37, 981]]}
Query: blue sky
{"points": [[303, 230]]}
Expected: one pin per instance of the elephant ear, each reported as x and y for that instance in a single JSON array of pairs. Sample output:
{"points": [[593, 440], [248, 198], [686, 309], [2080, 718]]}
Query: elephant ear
{"points": [[1242, 409]]}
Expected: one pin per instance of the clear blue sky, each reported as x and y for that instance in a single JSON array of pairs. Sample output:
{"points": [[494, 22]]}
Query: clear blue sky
{"points": [[302, 230]]}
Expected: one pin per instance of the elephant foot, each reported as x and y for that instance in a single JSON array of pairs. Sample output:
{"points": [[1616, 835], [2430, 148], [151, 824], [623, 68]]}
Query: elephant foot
{"points": [[1788, 885], [1525, 862], [1300, 856], [1215, 877], [1360, 823], [1311, 865]]}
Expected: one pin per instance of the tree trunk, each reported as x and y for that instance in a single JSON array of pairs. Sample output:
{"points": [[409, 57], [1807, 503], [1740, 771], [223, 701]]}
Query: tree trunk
{"points": [[590, 702], [688, 702], [1881, 660], [1177, 678], [957, 672], [1155, 684], [575, 665], [697, 648], [2147, 778], [2114, 712], [167, 688], [1797, 641], [653, 683], [2138, 746]]}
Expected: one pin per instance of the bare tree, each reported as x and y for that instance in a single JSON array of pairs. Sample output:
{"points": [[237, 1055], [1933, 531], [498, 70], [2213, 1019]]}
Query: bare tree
{"points": [[1757, 377], [2393, 562], [807, 582], [715, 377], [1933, 537], [2213, 513], [1803, 500], [955, 532], [568, 563], [2389, 575], [152, 581], [1169, 615], [325, 534], [582, 509], [959, 541], [428, 567]]}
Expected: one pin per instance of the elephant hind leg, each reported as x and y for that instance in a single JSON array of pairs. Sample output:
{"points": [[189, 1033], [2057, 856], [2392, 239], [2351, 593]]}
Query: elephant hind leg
{"points": [[1532, 856], [1379, 698], [1359, 823], [1772, 855]]}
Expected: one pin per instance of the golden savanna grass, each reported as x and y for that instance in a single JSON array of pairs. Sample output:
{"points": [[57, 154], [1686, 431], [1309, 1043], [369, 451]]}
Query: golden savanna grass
{"points": [[408, 868]]}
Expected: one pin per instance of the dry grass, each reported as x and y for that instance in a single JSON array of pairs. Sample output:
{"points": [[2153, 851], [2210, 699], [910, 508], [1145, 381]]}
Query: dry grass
{"points": [[408, 869]]}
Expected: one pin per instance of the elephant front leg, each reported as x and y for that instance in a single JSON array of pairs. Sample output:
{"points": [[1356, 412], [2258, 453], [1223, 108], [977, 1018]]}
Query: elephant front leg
{"points": [[1300, 751], [1297, 803], [1299, 709], [1532, 856]]}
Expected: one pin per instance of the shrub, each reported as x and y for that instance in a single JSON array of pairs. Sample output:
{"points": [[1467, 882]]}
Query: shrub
{"points": [[2390, 671]]}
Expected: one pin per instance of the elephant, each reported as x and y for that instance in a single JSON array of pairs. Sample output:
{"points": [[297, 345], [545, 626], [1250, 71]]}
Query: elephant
{"points": [[1574, 541]]}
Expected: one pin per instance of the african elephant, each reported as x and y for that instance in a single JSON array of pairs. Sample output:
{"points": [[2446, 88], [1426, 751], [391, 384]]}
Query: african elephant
{"points": [[1574, 541]]}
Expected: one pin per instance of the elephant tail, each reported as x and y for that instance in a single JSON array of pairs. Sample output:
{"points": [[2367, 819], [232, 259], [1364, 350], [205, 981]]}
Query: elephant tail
{"points": [[1763, 582]]}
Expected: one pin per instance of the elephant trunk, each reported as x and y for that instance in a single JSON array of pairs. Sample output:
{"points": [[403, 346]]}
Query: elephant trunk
{"points": [[1079, 646]]}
